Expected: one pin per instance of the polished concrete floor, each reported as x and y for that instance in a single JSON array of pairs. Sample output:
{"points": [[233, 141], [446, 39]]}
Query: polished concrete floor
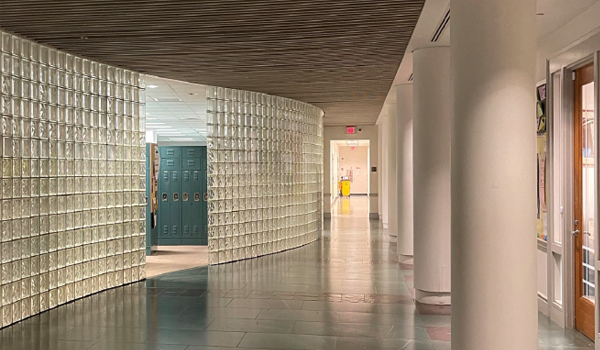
{"points": [[343, 292], [175, 258]]}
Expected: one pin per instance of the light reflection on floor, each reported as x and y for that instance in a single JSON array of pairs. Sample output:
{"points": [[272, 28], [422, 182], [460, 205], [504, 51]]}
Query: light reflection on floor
{"points": [[343, 292]]}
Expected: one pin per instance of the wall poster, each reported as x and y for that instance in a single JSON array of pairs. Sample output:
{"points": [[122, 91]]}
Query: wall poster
{"points": [[541, 225]]}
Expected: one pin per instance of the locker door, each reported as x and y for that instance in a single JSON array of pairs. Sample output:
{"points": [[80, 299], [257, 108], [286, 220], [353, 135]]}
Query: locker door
{"points": [[187, 214], [203, 190], [175, 204], [169, 191], [203, 209], [164, 217], [192, 214]]}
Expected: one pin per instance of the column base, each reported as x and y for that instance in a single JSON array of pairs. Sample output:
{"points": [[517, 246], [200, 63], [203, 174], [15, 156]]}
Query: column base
{"points": [[374, 216], [432, 298], [405, 259]]}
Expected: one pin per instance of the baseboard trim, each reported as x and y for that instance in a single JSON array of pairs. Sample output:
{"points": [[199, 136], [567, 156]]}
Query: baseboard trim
{"points": [[432, 298]]}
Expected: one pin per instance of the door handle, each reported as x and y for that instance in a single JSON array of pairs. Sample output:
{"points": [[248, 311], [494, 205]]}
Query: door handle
{"points": [[574, 233], [587, 233]]}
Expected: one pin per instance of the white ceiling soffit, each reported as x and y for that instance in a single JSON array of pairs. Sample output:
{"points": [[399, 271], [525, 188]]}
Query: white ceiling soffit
{"points": [[175, 110], [552, 15], [433, 29]]}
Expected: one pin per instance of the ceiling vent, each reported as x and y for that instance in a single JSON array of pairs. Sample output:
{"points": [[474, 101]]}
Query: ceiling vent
{"points": [[441, 27]]}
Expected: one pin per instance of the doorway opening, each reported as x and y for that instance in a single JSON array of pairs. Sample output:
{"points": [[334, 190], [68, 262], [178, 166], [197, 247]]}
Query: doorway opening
{"points": [[177, 181], [350, 177]]}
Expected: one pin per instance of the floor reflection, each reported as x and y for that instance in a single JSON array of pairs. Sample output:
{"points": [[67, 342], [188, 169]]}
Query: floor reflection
{"points": [[346, 291]]}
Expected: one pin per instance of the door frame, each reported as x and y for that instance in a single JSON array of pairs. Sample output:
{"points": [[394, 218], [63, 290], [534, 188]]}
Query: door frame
{"points": [[560, 245]]}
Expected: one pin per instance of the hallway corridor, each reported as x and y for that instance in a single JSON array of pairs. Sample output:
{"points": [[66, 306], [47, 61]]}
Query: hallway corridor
{"points": [[343, 292]]}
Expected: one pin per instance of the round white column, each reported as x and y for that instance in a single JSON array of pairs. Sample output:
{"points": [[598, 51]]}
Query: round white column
{"points": [[384, 171], [431, 162], [392, 171], [404, 173], [493, 175], [379, 171]]}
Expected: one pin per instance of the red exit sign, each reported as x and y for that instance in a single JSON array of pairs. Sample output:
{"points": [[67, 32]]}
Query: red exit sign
{"points": [[350, 130]]}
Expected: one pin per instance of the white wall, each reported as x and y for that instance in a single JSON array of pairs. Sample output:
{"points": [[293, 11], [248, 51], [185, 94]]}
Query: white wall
{"points": [[563, 47], [362, 133], [578, 29], [355, 159], [335, 161]]}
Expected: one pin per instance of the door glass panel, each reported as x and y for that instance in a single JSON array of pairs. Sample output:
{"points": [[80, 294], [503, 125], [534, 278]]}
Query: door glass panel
{"points": [[589, 140]]}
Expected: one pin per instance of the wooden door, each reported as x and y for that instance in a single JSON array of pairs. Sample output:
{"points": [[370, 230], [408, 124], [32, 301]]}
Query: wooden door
{"points": [[584, 232]]}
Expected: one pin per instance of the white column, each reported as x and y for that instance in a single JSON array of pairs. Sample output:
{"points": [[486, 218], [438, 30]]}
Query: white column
{"points": [[493, 175], [404, 149], [384, 170], [379, 171], [392, 189], [431, 161]]}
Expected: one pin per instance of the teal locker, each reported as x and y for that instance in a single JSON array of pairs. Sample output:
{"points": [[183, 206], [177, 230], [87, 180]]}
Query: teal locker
{"points": [[203, 193], [182, 184], [175, 204], [167, 152], [191, 207], [164, 206]]}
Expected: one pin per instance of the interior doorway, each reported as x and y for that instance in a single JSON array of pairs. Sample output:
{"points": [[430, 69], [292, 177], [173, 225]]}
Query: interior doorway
{"points": [[584, 227], [350, 176]]}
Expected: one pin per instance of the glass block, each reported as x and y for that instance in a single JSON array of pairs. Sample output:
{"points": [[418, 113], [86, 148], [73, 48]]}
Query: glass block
{"points": [[53, 108]]}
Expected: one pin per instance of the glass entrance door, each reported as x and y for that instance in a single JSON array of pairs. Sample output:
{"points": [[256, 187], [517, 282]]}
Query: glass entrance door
{"points": [[585, 231]]}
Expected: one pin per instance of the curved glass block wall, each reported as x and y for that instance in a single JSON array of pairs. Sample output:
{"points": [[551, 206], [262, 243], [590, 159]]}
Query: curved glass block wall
{"points": [[265, 158], [73, 178]]}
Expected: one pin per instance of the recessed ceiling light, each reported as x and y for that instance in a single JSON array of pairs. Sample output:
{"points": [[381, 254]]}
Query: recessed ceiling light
{"points": [[151, 118], [193, 93], [151, 86], [182, 139]]}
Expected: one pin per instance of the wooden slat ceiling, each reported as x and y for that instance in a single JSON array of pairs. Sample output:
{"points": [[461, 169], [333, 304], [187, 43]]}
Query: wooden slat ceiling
{"points": [[341, 55]]}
